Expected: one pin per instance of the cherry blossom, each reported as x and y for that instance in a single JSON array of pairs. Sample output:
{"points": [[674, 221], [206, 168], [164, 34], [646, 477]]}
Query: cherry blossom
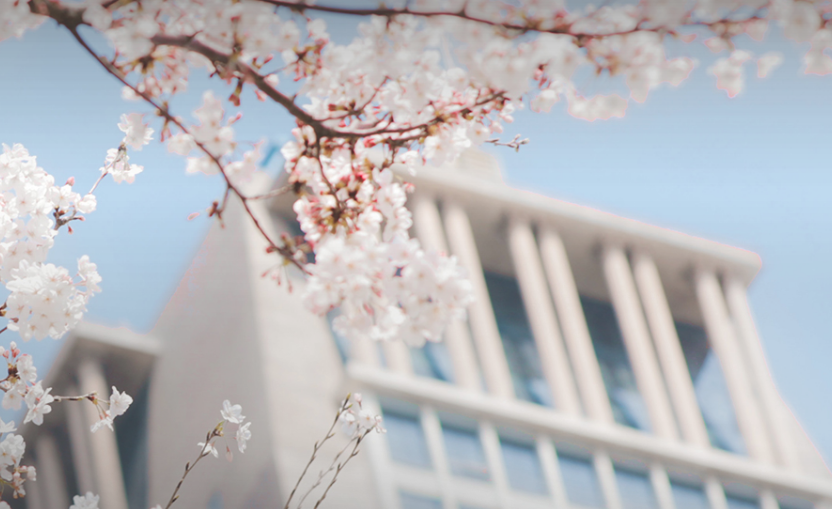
{"points": [[117, 163], [417, 86], [136, 133], [88, 501], [243, 436], [232, 413], [356, 420], [119, 403], [767, 63], [729, 72], [38, 400]]}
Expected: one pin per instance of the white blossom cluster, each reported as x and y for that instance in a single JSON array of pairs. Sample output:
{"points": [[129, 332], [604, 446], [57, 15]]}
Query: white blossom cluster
{"points": [[414, 87], [355, 420], [12, 473], [44, 299], [230, 414], [217, 138], [388, 288]]}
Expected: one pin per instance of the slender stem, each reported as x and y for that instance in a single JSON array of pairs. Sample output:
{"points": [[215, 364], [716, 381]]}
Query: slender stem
{"points": [[88, 396], [190, 466], [340, 467], [315, 449], [98, 181], [271, 194], [323, 473]]}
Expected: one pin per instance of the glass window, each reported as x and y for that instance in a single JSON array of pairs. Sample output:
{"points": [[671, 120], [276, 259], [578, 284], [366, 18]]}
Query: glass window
{"points": [[627, 404], [581, 481], [518, 342], [635, 489], [689, 497], [737, 502], [711, 390], [411, 501], [433, 361], [789, 502], [406, 439], [523, 467], [465, 454]]}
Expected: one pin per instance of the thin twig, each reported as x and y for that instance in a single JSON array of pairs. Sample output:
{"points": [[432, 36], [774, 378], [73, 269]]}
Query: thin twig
{"points": [[88, 396], [341, 466], [323, 473], [163, 111], [315, 449], [190, 466]]}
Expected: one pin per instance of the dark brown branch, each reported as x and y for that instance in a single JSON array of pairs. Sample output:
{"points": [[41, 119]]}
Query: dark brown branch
{"points": [[164, 112]]}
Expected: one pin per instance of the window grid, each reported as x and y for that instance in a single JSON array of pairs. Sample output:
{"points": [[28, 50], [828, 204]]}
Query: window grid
{"points": [[664, 491], [610, 486]]}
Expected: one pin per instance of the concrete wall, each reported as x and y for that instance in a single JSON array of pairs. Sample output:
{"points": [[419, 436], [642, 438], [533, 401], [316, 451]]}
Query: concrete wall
{"points": [[228, 333]]}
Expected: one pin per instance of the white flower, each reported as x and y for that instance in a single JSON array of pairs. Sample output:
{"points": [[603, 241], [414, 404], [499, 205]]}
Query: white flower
{"points": [[117, 163], [729, 73], [86, 204], [767, 63], [7, 427], [14, 396], [243, 436], [96, 15], [208, 449], [89, 274], [803, 21], [88, 501], [104, 420], [136, 133], [38, 401], [232, 413], [26, 370], [11, 450], [119, 402]]}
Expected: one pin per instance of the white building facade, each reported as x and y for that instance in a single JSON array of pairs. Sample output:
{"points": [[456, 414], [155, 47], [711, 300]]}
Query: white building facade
{"points": [[605, 364]]}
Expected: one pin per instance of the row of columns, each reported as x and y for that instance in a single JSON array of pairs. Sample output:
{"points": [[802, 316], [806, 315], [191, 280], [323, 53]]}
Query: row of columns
{"points": [[565, 346], [95, 456]]}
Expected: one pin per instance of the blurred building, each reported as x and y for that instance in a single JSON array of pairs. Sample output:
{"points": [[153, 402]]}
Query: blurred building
{"points": [[606, 363]]}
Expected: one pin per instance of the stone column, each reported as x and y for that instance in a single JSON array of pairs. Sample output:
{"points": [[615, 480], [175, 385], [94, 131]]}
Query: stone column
{"points": [[494, 457], [541, 316], [768, 500], [669, 351], [436, 448], [103, 446], [772, 405], [428, 224], [50, 472], [575, 331], [551, 470], [483, 323], [637, 341], [727, 348], [661, 486], [606, 478], [715, 493]]}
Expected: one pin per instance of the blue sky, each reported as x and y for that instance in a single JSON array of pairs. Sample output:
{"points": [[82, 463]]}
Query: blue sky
{"points": [[753, 171]]}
